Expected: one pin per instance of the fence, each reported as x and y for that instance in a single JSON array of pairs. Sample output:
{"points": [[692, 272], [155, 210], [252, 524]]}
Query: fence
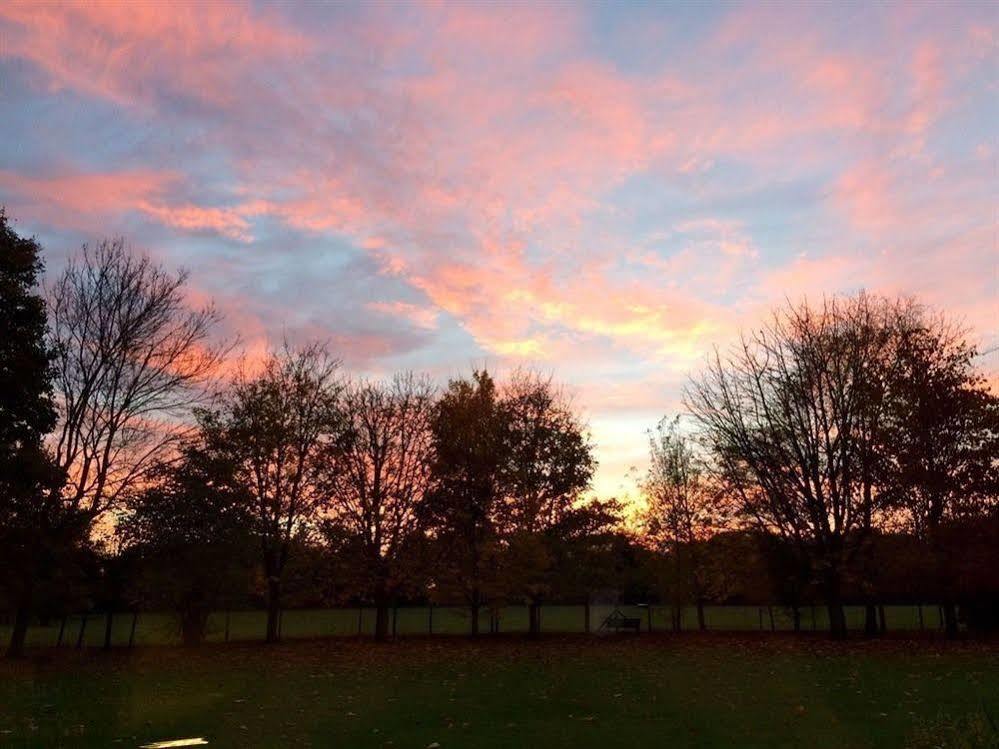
{"points": [[157, 628]]}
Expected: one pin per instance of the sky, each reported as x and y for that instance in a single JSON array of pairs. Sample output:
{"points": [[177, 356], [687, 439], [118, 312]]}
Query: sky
{"points": [[603, 191]]}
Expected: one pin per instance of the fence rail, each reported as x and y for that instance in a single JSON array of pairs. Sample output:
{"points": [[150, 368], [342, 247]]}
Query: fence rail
{"points": [[161, 628]]}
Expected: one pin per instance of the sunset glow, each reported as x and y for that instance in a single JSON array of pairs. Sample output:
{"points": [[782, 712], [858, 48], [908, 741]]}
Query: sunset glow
{"points": [[604, 195]]}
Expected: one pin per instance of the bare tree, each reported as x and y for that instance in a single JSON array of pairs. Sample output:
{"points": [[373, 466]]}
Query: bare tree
{"points": [[683, 509], [784, 415], [131, 360], [380, 476], [276, 428]]}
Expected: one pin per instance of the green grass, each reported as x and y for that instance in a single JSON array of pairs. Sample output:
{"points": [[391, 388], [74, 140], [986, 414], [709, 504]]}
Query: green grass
{"points": [[703, 691], [161, 628]]}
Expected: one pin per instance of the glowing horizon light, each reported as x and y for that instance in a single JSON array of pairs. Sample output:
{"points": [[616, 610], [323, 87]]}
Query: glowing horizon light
{"points": [[174, 742]]}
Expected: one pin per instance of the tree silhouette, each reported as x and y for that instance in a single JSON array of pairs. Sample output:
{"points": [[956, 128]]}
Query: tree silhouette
{"points": [[34, 531], [378, 477], [468, 432], [275, 429]]}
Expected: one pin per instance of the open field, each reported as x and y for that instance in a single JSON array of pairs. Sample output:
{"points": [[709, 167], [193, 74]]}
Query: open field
{"points": [[704, 691], [162, 629]]}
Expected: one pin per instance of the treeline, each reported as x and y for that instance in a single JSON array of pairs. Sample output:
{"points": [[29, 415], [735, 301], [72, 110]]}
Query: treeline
{"points": [[842, 453]]}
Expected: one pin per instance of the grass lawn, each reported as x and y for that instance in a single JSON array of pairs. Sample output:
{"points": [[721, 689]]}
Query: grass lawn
{"points": [[159, 628], [645, 691]]}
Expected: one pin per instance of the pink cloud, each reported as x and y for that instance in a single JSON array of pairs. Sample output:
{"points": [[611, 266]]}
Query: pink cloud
{"points": [[479, 155], [132, 52], [74, 197]]}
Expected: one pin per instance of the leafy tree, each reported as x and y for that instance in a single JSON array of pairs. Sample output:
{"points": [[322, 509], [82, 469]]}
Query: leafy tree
{"points": [[548, 464], [683, 508], [379, 478], [468, 429], [275, 428], [192, 533], [35, 533], [942, 443]]}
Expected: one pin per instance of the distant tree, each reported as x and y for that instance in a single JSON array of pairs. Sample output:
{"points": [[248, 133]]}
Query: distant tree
{"points": [[785, 416], [34, 531], [683, 508], [276, 428], [131, 360], [589, 550], [379, 478], [191, 533], [788, 573], [548, 465], [942, 443], [468, 429]]}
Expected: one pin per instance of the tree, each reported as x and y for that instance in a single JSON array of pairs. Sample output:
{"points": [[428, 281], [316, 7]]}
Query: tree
{"points": [[276, 428], [468, 429], [585, 550], [191, 531], [942, 442], [34, 532], [785, 417], [548, 464], [379, 478], [131, 360], [682, 510]]}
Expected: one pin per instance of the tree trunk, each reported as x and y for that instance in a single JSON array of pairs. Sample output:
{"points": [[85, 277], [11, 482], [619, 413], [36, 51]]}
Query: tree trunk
{"points": [[534, 617], [273, 609], [193, 624], [870, 620], [82, 634], [19, 633], [834, 604], [108, 627], [381, 619], [796, 617], [701, 625], [837, 620], [473, 610], [950, 620]]}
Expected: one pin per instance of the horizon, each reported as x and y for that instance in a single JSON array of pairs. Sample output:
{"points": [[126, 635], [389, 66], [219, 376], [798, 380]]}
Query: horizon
{"points": [[602, 192]]}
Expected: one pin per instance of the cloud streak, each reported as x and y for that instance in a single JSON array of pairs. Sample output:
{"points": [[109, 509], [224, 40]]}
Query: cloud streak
{"points": [[435, 184]]}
